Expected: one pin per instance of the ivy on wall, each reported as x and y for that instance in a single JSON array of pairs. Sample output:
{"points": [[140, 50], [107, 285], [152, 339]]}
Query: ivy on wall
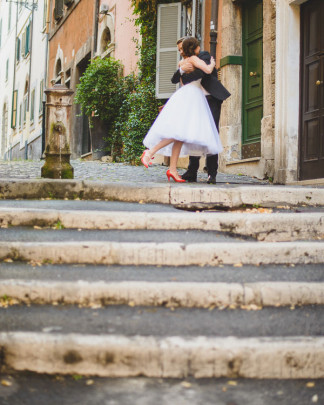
{"points": [[140, 107]]}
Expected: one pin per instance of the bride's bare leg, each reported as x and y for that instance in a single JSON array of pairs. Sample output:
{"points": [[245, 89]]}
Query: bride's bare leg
{"points": [[174, 158], [160, 145]]}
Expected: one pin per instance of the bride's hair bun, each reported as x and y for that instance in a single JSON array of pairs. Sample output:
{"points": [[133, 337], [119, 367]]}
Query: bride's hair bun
{"points": [[189, 45]]}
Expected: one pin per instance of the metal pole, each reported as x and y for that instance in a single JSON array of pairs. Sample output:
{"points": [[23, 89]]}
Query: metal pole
{"points": [[213, 28]]}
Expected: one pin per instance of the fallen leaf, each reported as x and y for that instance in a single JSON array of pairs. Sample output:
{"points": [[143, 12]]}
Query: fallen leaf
{"points": [[37, 227], [186, 384], [131, 303], [89, 382], [315, 398], [6, 383], [8, 260], [310, 385], [233, 383], [224, 389], [238, 265]]}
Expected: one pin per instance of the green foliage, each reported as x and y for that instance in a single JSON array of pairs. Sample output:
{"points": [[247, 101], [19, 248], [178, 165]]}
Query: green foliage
{"points": [[99, 89], [141, 108]]}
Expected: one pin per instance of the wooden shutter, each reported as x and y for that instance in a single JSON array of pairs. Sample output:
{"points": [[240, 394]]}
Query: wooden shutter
{"points": [[27, 40], [167, 58], [18, 50], [23, 44], [14, 109], [58, 10]]}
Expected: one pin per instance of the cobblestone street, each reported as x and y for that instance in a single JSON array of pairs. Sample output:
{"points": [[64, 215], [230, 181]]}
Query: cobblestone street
{"points": [[111, 172]]}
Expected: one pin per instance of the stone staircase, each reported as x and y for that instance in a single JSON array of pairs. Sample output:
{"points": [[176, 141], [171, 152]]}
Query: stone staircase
{"points": [[121, 290]]}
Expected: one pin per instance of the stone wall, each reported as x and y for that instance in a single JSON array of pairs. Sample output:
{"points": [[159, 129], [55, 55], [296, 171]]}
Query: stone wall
{"points": [[231, 75]]}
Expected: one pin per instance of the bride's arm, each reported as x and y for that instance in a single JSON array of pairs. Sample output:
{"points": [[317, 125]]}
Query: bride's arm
{"points": [[200, 64]]}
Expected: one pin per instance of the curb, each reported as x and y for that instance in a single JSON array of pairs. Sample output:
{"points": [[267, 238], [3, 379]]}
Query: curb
{"points": [[169, 294], [281, 227], [164, 254], [172, 357], [229, 196]]}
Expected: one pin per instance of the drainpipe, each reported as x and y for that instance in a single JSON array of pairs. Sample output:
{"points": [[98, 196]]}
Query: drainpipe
{"points": [[30, 53], [45, 74], [95, 28], [213, 28]]}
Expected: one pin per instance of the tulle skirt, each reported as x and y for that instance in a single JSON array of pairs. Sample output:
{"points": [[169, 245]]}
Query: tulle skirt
{"points": [[186, 117]]}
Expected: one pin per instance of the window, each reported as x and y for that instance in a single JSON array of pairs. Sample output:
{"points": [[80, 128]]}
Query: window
{"points": [[58, 9], [68, 78], [41, 96], [7, 70], [14, 109], [32, 106]]}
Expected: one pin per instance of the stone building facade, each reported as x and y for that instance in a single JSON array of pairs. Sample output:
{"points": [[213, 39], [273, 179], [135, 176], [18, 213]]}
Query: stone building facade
{"points": [[23, 45], [285, 139], [81, 30]]}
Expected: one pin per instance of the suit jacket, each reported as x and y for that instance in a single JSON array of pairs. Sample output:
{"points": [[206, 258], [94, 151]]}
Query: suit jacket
{"points": [[209, 82]]}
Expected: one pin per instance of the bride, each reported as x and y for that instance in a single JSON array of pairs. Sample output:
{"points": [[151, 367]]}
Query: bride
{"points": [[185, 126]]}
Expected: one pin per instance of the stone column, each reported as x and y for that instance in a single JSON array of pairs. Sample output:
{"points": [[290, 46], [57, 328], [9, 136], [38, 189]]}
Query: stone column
{"points": [[57, 139]]}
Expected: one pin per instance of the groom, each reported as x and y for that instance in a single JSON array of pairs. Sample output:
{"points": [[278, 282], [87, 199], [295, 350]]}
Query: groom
{"points": [[215, 94]]}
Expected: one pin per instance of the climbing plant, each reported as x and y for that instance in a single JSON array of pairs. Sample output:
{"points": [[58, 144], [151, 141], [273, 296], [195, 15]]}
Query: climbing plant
{"points": [[140, 106]]}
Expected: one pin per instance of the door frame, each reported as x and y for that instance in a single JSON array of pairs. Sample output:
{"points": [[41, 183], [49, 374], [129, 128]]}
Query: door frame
{"points": [[301, 98]]}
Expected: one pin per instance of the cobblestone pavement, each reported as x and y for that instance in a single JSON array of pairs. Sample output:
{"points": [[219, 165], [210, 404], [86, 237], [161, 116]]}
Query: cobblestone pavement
{"points": [[111, 172]]}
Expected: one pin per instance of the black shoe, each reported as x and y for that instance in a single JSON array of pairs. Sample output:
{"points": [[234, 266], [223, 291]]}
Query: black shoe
{"points": [[189, 176], [211, 179]]}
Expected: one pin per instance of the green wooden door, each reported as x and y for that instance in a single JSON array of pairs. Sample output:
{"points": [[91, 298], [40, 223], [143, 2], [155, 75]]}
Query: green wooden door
{"points": [[252, 78]]}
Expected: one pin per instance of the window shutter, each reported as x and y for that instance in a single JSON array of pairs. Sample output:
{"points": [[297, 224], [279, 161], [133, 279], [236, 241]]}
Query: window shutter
{"points": [[32, 106], [58, 10], [14, 109], [23, 44], [167, 58], [18, 50], [27, 39]]}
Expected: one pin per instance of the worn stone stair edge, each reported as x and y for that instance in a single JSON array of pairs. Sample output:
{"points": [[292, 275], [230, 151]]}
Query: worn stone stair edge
{"points": [[173, 357], [170, 294], [230, 196], [164, 254], [281, 227]]}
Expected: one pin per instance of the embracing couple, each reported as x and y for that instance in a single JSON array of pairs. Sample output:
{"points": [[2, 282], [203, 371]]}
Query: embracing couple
{"points": [[188, 123]]}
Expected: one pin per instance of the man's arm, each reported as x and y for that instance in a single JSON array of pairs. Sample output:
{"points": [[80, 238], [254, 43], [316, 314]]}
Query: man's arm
{"points": [[176, 77]]}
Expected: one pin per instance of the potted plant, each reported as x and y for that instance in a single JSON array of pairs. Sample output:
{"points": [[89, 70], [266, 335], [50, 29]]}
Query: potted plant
{"points": [[100, 95]]}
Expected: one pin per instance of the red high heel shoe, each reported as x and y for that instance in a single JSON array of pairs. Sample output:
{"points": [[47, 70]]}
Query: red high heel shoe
{"points": [[169, 174], [143, 159]]}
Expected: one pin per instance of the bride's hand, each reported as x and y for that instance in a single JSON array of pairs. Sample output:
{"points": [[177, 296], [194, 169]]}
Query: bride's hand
{"points": [[212, 62]]}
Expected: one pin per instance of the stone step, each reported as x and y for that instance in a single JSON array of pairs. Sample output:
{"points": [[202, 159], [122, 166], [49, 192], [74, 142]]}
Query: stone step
{"points": [[300, 273], [32, 388], [172, 356], [225, 196], [163, 322], [163, 254], [265, 227], [170, 294]]}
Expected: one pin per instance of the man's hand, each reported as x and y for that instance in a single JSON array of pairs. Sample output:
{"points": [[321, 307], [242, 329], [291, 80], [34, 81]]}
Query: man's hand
{"points": [[186, 66]]}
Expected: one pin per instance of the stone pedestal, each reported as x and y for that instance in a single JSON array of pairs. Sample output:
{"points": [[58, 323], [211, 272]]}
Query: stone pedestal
{"points": [[57, 150]]}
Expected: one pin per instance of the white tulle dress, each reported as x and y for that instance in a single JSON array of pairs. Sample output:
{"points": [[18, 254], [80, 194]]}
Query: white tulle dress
{"points": [[186, 117]]}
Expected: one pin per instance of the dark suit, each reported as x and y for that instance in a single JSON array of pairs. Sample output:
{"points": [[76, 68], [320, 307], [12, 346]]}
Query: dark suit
{"points": [[218, 94]]}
